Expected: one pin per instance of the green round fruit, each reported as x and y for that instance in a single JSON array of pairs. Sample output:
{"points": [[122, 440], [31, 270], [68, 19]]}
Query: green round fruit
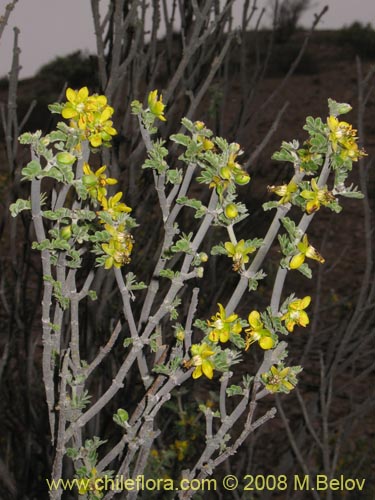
{"points": [[242, 178], [66, 232], [231, 211]]}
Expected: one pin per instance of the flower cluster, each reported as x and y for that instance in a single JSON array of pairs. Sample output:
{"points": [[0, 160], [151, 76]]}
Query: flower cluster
{"points": [[90, 114], [343, 139], [118, 247], [205, 142], [316, 197], [230, 172], [262, 329], [96, 182]]}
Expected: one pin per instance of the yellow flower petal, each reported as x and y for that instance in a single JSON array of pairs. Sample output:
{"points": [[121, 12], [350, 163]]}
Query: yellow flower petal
{"points": [[229, 247], [86, 169], [266, 343], [312, 206], [95, 140], [108, 263], [290, 325], [214, 336], [254, 320], [237, 328], [70, 95], [297, 261], [305, 302], [100, 170], [288, 385], [303, 319], [224, 336], [207, 369], [83, 93], [106, 114], [68, 113]]}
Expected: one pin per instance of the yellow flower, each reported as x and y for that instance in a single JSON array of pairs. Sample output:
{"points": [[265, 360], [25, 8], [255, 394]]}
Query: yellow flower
{"points": [[119, 247], [338, 131], [343, 139], [76, 105], [89, 114], [113, 207], [305, 250], [203, 365], [205, 142], [276, 380], [223, 326], [296, 315], [219, 184], [232, 170], [350, 150], [100, 127], [257, 333], [96, 182], [316, 197], [156, 106], [285, 191], [239, 253]]}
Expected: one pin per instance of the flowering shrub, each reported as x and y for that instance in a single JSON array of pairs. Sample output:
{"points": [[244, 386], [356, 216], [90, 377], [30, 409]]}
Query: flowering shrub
{"points": [[84, 219]]}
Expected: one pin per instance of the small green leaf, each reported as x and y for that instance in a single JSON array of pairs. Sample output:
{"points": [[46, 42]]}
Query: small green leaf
{"points": [[19, 206], [305, 270], [127, 342], [136, 107], [55, 108], [234, 390], [237, 340], [338, 108], [32, 169], [269, 205], [181, 139], [121, 417]]}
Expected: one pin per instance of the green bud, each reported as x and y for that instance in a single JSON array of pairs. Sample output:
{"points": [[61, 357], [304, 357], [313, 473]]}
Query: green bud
{"points": [[203, 257], [200, 272], [65, 158], [225, 173], [231, 211], [123, 415], [66, 232], [89, 180], [242, 178]]}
